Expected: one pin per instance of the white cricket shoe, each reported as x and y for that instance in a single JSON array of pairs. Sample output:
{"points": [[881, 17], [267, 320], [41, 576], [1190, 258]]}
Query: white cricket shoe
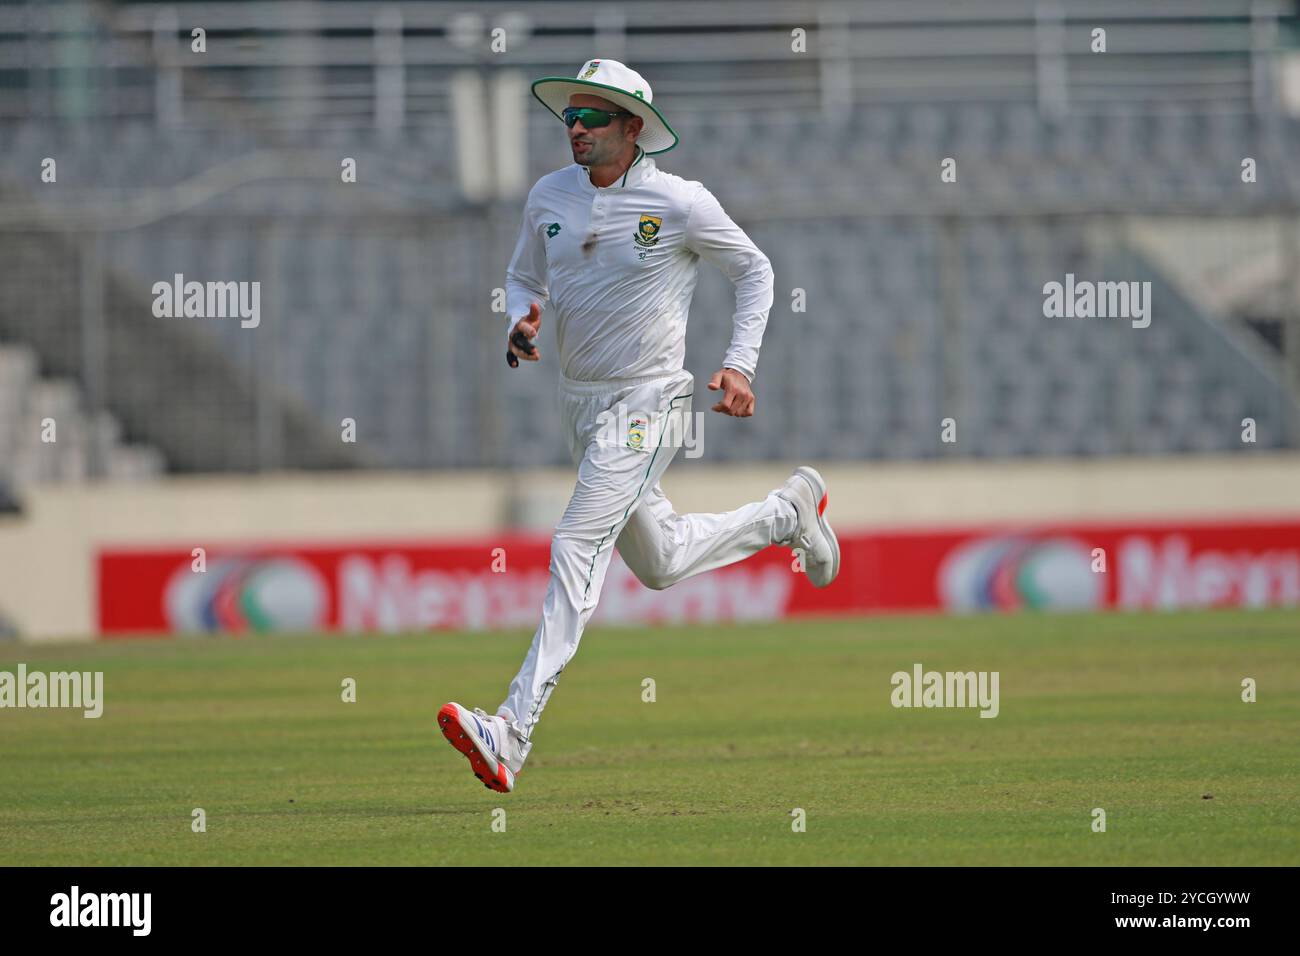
{"points": [[806, 490], [492, 745]]}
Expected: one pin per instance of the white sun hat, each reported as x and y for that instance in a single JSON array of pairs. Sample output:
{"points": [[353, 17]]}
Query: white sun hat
{"points": [[617, 83]]}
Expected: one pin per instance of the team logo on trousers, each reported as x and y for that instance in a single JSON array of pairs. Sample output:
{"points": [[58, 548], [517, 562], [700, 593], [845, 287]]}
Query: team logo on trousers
{"points": [[636, 433], [647, 231]]}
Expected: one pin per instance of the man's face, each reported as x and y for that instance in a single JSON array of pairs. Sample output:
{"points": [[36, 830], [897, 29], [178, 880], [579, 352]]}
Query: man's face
{"points": [[604, 144]]}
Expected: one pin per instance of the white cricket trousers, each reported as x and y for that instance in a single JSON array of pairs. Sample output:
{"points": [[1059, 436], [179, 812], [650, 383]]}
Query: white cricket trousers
{"points": [[622, 435]]}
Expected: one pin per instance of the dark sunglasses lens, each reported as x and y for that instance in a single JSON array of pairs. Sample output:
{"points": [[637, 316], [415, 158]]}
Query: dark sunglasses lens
{"points": [[591, 118]]}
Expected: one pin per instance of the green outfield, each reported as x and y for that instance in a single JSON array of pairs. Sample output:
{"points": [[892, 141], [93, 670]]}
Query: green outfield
{"points": [[1140, 715]]}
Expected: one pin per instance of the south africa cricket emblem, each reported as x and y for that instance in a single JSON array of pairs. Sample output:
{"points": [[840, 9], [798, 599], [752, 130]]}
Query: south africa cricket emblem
{"points": [[590, 71], [636, 433], [647, 231]]}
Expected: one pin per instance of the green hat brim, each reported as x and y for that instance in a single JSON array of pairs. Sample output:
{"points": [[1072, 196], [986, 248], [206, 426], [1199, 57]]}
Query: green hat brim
{"points": [[656, 133]]}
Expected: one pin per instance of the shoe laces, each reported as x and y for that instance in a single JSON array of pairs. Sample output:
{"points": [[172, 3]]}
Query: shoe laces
{"points": [[509, 726]]}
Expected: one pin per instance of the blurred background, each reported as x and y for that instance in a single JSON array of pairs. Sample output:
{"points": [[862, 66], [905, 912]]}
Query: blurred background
{"points": [[1114, 141]]}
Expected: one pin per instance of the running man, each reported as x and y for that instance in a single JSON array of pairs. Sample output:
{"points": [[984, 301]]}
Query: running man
{"points": [[611, 245]]}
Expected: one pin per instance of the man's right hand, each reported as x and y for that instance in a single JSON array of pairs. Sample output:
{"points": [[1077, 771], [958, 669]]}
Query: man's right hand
{"points": [[529, 325]]}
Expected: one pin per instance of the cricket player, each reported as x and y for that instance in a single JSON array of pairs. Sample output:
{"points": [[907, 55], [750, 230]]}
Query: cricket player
{"points": [[611, 245]]}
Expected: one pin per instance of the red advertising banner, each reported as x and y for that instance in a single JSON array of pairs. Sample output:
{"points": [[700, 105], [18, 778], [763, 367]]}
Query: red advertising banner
{"points": [[501, 582]]}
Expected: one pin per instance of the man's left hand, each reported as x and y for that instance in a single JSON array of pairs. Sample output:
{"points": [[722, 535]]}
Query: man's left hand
{"points": [[737, 397]]}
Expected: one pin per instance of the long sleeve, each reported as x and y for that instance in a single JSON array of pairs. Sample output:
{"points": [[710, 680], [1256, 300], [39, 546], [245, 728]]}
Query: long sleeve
{"points": [[526, 274], [711, 233]]}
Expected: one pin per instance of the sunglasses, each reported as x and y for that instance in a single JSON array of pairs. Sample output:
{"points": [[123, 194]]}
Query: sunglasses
{"points": [[591, 118]]}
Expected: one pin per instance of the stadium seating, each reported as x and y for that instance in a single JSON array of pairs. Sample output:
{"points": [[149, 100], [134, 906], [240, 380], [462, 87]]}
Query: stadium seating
{"points": [[81, 437], [924, 298]]}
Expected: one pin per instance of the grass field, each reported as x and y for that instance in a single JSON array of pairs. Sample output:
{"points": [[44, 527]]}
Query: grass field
{"points": [[1140, 715]]}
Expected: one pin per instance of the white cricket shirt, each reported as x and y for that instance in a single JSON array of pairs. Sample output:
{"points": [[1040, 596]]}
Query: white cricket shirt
{"points": [[615, 267]]}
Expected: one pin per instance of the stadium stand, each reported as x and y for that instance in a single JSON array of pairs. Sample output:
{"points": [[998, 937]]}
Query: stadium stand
{"points": [[83, 443], [924, 298]]}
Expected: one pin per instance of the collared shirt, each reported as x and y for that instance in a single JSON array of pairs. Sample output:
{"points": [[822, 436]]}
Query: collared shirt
{"points": [[616, 266]]}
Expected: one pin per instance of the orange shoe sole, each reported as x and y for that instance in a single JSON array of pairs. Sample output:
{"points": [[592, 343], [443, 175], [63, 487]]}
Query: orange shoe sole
{"points": [[821, 510], [456, 736]]}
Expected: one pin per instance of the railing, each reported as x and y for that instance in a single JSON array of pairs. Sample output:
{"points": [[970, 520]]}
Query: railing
{"points": [[386, 64]]}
